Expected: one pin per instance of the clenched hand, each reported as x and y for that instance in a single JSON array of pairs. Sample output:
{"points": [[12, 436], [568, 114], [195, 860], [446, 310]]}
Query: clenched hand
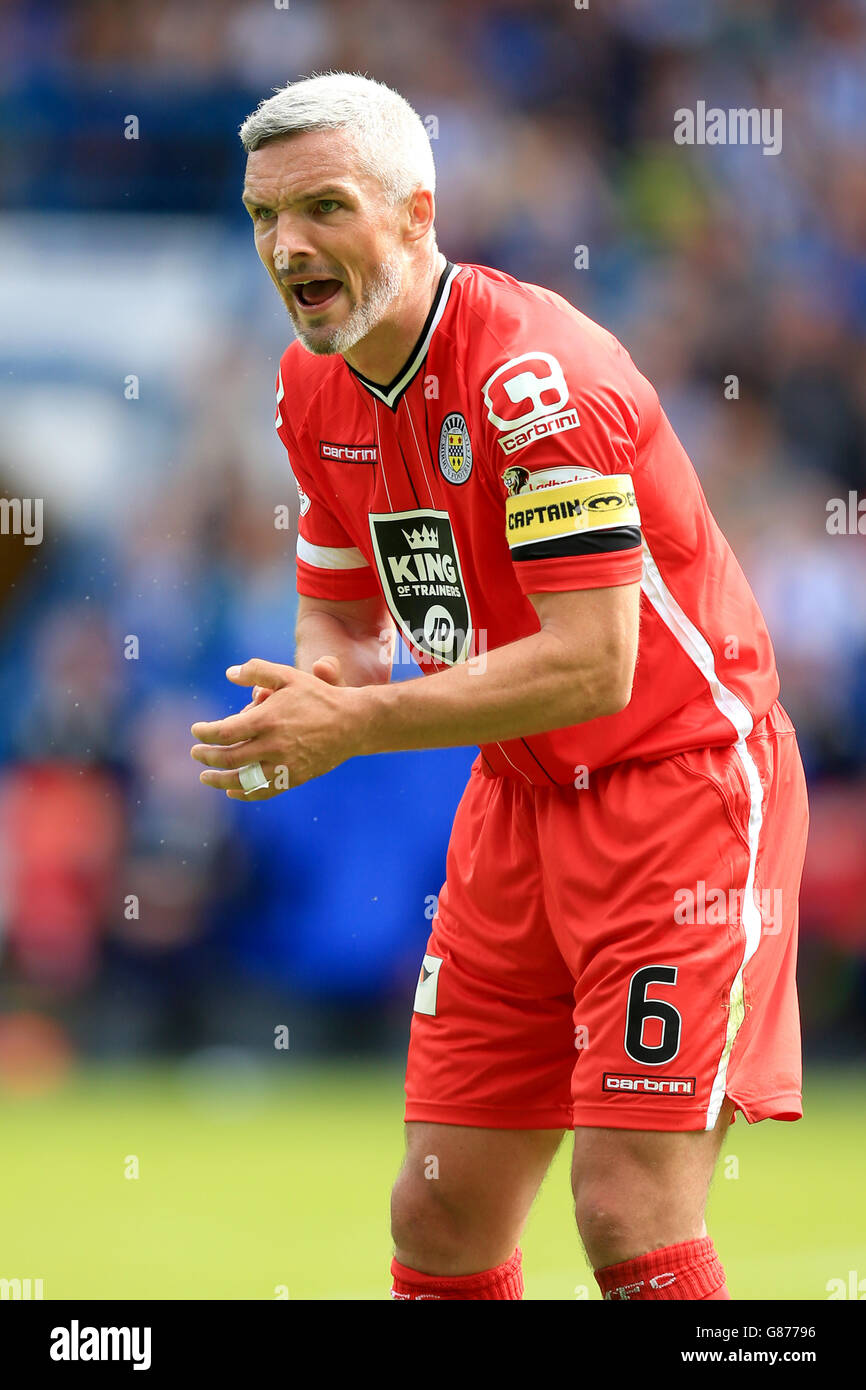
{"points": [[298, 726]]}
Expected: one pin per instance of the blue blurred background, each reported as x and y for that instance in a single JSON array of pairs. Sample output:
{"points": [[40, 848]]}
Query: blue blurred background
{"points": [[143, 916]]}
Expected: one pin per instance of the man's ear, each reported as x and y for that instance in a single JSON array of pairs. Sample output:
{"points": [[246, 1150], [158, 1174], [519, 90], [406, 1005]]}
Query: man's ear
{"points": [[420, 213]]}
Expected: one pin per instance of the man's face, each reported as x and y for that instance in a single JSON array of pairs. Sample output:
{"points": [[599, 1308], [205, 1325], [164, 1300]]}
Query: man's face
{"points": [[328, 237]]}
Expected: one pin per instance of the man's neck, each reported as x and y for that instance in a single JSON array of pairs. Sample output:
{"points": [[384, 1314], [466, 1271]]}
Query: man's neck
{"points": [[383, 352]]}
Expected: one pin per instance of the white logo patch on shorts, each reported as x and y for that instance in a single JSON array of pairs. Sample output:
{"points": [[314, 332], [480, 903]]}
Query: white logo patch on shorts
{"points": [[428, 985]]}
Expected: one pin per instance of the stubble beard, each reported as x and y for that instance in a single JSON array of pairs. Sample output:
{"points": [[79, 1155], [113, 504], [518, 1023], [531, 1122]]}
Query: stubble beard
{"points": [[378, 296]]}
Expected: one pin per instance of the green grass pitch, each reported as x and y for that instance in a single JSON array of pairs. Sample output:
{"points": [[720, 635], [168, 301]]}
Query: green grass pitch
{"points": [[280, 1182]]}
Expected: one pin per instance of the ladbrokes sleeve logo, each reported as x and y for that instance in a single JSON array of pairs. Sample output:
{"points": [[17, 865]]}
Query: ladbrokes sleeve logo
{"points": [[527, 399], [417, 559], [595, 504], [519, 479]]}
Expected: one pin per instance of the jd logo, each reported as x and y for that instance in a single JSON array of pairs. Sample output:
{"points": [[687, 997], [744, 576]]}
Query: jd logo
{"points": [[420, 571]]}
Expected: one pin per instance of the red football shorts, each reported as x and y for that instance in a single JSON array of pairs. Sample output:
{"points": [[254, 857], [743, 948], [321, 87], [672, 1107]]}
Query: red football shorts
{"points": [[620, 953]]}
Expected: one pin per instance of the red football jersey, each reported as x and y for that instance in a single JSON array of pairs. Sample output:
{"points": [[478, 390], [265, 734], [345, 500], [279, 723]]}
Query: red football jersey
{"points": [[520, 451]]}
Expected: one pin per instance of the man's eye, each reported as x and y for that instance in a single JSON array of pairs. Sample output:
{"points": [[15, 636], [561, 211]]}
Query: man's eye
{"points": [[263, 214], [327, 205]]}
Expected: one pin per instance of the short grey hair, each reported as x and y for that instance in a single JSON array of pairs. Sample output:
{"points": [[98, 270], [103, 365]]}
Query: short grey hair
{"points": [[390, 138]]}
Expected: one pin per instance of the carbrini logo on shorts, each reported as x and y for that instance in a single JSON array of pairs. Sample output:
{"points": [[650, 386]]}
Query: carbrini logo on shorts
{"points": [[649, 1085]]}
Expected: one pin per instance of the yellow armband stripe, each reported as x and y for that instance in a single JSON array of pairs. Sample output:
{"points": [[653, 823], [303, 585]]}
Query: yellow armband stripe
{"points": [[594, 504]]}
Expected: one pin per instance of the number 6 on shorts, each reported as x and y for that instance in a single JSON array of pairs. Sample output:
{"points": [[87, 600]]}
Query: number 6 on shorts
{"points": [[640, 1009]]}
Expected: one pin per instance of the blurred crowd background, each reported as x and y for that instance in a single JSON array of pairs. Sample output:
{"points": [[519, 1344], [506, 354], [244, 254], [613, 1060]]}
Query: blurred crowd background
{"points": [[142, 915]]}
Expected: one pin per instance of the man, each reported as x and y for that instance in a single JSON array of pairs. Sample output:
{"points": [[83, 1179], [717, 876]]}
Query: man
{"points": [[484, 467]]}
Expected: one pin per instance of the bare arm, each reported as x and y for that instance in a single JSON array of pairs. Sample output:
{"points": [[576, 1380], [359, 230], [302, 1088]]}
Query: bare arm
{"points": [[358, 632], [580, 665]]}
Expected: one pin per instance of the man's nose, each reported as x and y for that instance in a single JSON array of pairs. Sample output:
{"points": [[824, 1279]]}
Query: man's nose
{"points": [[292, 242]]}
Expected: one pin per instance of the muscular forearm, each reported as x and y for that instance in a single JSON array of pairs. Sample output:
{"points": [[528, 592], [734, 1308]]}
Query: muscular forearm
{"points": [[332, 704], [365, 657], [528, 687]]}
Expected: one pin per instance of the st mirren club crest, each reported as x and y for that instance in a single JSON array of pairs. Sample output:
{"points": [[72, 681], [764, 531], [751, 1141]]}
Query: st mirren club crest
{"points": [[455, 449], [418, 564]]}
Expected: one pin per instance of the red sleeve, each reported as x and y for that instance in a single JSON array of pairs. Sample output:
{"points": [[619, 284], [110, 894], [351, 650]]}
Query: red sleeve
{"points": [[559, 425], [328, 565], [581, 572]]}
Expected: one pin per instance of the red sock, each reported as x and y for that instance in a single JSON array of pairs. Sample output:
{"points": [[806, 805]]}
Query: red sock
{"points": [[506, 1281], [689, 1270]]}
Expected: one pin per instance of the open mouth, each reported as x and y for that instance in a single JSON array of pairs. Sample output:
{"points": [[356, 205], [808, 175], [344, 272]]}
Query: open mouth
{"points": [[316, 294]]}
